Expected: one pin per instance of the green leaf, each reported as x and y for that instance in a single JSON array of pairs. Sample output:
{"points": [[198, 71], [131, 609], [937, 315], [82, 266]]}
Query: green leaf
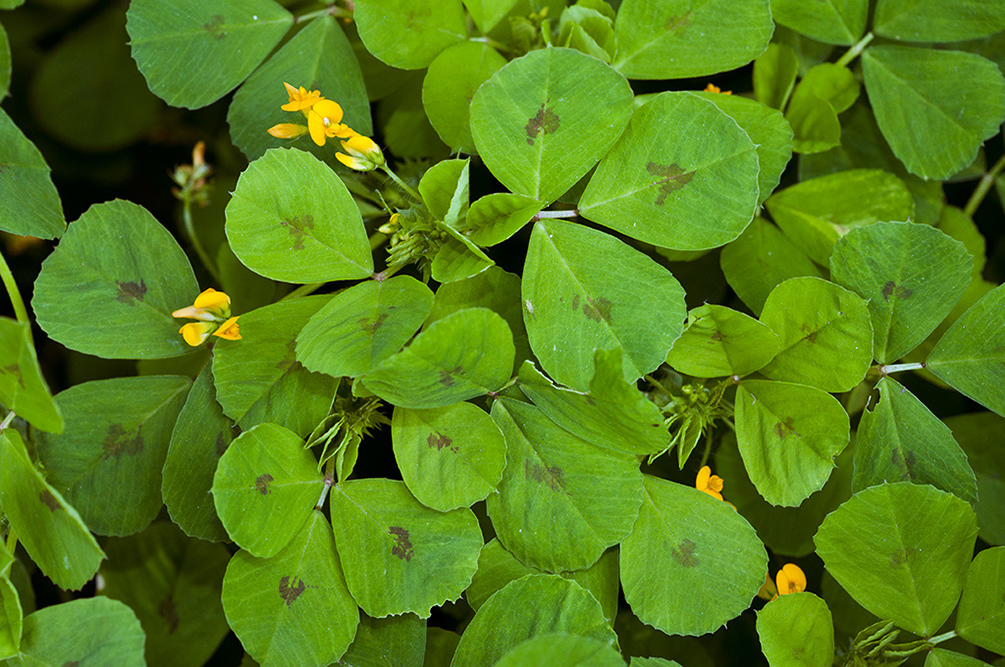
{"points": [[398, 555], [531, 606], [614, 414], [293, 608], [815, 125], [676, 39], [789, 436], [50, 530], [258, 378], [94, 57], [363, 325], [787, 531], [466, 354], [12, 621], [938, 21], [941, 657], [292, 219], [440, 646], [982, 436], [221, 42], [88, 631], [498, 216], [110, 287], [408, 34], [562, 501], [406, 128], [775, 75], [915, 574], [450, 84], [488, 13], [442, 184], [683, 175], [911, 276], [458, 258], [29, 204], [319, 57], [830, 21], [201, 435], [449, 457], [23, 390], [956, 224], [826, 334], [832, 83], [543, 120], [691, 563], [653, 662], [814, 214], [5, 63], [981, 617], [108, 460], [392, 641], [562, 650], [585, 290], [909, 95], [719, 341], [969, 356], [901, 440], [761, 259], [265, 487], [796, 631], [769, 131], [173, 585]]}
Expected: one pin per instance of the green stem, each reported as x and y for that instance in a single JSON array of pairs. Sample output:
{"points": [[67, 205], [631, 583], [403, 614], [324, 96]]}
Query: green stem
{"points": [[394, 177], [387, 273], [569, 213], [708, 449], [329, 481], [938, 639], [498, 46], [654, 382], [899, 368], [983, 187], [11, 543], [13, 292], [377, 239], [854, 51], [333, 10], [303, 290], [186, 215], [6, 421]]}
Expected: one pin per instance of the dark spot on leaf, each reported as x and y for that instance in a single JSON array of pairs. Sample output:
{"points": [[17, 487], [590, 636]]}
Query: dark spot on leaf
{"points": [[439, 441], [784, 429], [402, 545], [221, 444], [49, 500], [684, 554], [288, 592], [904, 462], [130, 292], [371, 327], [215, 27], [72, 663], [290, 357], [298, 227], [167, 611], [811, 334], [262, 483], [550, 475], [671, 177], [545, 120], [902, 557], [119, 441], [597, 309], [15, 370], [892, 289], [717, 335], [678, 23], [415, 17], [575, 302], [447, 377]]}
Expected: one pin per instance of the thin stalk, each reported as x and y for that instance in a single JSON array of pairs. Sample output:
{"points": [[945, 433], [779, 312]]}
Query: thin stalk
{"points": [[556, 214], [654, 382], [900, 368], [855, 50], [6, 421], [377, 239], [329, 481], [387, 273], [404, 186], [13, 292], [333, 10], [303, 290], [186, 215], [981, 191], [11, 543], [498, 46], [938, 639], [708, 448]]}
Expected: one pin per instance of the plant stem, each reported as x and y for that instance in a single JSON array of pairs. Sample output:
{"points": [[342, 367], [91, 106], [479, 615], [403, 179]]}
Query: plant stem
{"points": [[557, 214], [377, 239], [11, 543], [938, 639], [387, 273], [498, 46], [186, 216], [981, 191], [303, 290], [333, 10], [13, 292], [6, 421], [854, 51], [394, 177], [329, 480], [899, 368]]}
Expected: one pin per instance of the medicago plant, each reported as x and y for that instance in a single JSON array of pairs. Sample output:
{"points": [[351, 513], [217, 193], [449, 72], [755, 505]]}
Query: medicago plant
{"points": [[495, 332]]}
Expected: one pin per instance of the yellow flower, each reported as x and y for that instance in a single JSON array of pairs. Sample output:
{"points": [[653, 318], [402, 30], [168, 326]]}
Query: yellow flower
{"points": [[301, 99], [712, 88], [709, 483], [287, 130], [212, 309], [324, 121], [790, 579], [363, 153]]}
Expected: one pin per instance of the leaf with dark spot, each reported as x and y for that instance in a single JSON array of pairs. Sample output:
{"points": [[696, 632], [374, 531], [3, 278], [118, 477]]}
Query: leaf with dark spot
{"points": [[545, 120], [902, 557], [678, 23], [549, 475], [15, 370], [597, 309], [49, 500], [402, 545], [439, 441], [119, 441], [215, 27], [262, 483], [892, 289], [298, 227], [290, 593], [671, 177], [684, 554], [169, 613], [371, 327], [811, 334], [783, 429], [130, 292]]}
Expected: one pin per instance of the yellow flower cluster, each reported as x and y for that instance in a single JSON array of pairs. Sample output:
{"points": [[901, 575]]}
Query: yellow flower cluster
{"points": [[324, 121], [212, 310], [789, 579]]}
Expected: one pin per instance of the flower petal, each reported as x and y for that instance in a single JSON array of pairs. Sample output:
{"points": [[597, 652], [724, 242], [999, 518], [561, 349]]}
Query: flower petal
{"points": [[229, 330], [316, 126], [195, 333], [287, 130], [211, 298]]}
